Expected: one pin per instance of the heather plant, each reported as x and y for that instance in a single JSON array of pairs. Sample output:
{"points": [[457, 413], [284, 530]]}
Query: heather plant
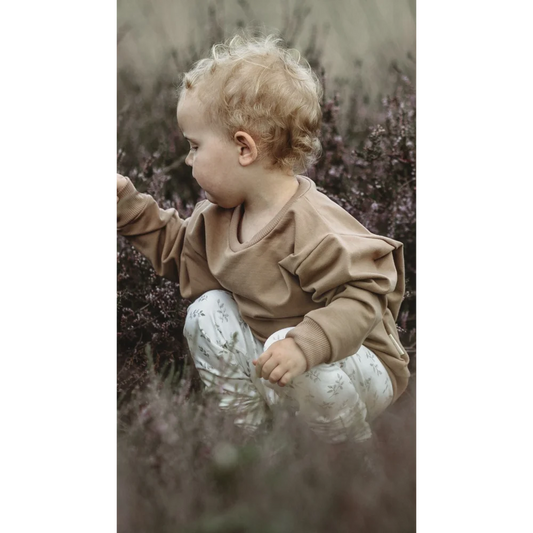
{"points": [[183, 466], [150, 320], [374, 180]]}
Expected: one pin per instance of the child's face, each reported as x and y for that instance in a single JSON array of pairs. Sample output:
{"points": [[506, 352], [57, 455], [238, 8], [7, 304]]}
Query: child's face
{"points": [[213, 157]]}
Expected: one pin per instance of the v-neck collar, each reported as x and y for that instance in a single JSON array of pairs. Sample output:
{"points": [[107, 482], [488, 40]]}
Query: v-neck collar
{"points": [[304, 184]]}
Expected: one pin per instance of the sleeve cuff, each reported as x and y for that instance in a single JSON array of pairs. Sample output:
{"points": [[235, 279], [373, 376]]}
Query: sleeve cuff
{"points": [[312, 340], [130, 204]]}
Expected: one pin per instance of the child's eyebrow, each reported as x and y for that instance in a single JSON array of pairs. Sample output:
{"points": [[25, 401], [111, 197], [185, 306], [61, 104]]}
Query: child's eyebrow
{"points": [[189, 139]]}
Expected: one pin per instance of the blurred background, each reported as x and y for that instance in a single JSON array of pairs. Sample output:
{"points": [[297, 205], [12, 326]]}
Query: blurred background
{"points": [[352, 38]]}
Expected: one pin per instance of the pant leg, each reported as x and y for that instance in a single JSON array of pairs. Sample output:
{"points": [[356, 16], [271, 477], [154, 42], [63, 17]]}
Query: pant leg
{"points": [[338, 400], [371, 380], [222, 347]]}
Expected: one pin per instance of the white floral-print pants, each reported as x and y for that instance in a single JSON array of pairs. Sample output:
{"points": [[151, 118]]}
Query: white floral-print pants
{"points": [[337, 401]]}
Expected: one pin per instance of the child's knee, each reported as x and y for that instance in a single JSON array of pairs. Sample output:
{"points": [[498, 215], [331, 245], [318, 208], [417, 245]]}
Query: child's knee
{"points": [[201, 308], [204, 308], [322, 387]]}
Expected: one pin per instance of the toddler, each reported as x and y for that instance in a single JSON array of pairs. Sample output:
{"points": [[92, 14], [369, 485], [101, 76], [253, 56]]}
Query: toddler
{"points": [[294, 301]]}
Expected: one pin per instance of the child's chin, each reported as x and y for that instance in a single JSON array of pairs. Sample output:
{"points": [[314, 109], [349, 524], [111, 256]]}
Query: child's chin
{"points": [[220, 203]]}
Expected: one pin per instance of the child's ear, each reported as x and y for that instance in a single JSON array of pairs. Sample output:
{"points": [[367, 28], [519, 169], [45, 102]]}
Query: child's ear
{"points": [[247, 148]]}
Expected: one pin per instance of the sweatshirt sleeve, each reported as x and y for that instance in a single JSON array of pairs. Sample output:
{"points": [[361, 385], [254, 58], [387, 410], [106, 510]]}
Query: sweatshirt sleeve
{"points": [[353, 276], [158, 234]]}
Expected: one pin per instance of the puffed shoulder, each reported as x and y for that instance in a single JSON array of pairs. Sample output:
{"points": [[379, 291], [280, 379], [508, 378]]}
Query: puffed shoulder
{"points": [[368, 262]]}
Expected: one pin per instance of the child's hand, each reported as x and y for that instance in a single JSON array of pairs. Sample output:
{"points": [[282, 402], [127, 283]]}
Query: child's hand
{"points": [[283, 361], [121, 183]]}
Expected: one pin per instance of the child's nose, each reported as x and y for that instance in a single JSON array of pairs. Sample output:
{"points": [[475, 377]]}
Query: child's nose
{"points": [[188, 159]]}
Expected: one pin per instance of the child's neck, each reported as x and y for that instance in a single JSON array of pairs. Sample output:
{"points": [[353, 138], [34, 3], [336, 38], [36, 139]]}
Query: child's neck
{"points": [[270, 195], [264, 204]]}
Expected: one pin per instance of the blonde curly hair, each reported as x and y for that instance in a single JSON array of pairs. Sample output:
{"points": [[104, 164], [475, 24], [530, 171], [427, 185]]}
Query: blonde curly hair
{"points": [[258, 86]]}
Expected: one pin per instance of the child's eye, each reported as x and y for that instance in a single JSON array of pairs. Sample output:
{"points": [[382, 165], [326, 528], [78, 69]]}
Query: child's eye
{"points": [[193, 148]]}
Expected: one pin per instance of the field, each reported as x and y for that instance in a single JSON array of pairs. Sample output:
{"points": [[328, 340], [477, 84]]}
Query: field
{"points": [[181, 465]]}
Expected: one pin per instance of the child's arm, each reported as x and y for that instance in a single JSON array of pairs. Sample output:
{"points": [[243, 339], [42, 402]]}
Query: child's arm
{"points": [[360, 281], [158, 234], [359, 278]]}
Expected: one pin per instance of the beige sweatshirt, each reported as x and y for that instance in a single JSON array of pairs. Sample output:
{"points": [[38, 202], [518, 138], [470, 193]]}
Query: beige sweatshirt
{"points": [[313, 266]]}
